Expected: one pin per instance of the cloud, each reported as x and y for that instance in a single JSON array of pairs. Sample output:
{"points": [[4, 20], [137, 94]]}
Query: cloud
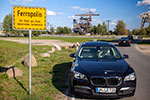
{"points": [[113, 23], [115, 20], [52, 13], [92, 9], [23, 1], [75, 7], [73, 17], [84, 9], [96, 21], [143, 2], [138, 17]]}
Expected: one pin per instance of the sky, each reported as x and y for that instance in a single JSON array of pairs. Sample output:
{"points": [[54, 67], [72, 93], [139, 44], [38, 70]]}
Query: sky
{"points": [[61, 12]]}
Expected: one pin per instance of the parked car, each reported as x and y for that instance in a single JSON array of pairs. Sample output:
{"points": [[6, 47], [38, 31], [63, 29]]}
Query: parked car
{"points": [[99, 71], [124, 41], [130, 37]]}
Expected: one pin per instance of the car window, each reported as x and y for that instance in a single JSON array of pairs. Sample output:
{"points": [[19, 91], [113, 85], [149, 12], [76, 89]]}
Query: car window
{"points": [[125, 38], [88, 52], [99, 52]]}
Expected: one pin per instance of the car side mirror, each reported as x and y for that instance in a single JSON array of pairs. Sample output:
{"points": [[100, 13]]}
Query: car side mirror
{"points": [[72, 55], [125, 56]]}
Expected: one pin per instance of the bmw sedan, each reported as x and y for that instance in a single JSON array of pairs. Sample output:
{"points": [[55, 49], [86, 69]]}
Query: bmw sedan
{"points": [[124, 41], [99, 70]]}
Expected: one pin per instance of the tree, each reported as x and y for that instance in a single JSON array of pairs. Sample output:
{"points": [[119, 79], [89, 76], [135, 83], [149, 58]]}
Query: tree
{"points": [[129, 32], [59, 30], [70, 30], [121, 28], [52, 30], [148, 30], [99, 29], [104, 28], [66, 30], [144, 32], [111, 32], [135, 31], [94, 30], [7, 24], [89, 30]]}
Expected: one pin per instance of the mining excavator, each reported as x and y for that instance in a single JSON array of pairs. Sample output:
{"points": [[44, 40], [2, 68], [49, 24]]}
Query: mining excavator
{"points": [[81, 26]]}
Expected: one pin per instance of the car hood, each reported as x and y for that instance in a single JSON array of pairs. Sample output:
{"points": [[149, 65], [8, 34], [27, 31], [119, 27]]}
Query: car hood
{"points": [[100, 67]]}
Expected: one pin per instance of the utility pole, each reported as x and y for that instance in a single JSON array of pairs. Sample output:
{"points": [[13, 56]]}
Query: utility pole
{"points": [[108, 21]]}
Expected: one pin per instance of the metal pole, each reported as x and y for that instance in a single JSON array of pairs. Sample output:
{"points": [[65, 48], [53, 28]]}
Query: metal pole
{"points": [[108, 24], [30, 61]]}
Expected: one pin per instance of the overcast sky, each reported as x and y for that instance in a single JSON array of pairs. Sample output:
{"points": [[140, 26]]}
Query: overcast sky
{"points": [[61, 12]]}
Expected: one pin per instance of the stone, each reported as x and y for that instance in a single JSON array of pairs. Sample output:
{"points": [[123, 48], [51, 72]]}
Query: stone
{"points": [[52, 50], [33, 61], [76, 45], [57, 47], [45, 55], [14, 72], [66, 47]]}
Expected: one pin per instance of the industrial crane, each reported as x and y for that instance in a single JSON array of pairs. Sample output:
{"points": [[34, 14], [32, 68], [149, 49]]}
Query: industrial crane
{"points": [[84, 23]]}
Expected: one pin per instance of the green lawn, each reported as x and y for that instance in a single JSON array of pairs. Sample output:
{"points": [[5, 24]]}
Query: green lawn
{"points": [[144, 43], [73, 40], [48, 78], [68, 39]]}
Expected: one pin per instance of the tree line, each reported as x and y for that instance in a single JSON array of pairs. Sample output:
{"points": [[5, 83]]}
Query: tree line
{"points": [[100, 29]]}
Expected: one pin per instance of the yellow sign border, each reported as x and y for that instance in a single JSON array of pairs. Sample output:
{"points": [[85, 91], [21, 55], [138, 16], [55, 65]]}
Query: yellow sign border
{"points": [[30, 7]]}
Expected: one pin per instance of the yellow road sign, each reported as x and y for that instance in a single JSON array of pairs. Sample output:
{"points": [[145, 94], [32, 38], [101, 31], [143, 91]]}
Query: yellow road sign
{"points": [[29, 18]]}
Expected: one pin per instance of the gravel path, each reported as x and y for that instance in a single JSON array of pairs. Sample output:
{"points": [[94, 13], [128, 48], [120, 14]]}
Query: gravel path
{"points": [[144, 49], [39, 42]]}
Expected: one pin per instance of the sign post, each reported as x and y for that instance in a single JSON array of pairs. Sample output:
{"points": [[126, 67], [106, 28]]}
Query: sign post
{"points": [[30, 19], [30, 61]]}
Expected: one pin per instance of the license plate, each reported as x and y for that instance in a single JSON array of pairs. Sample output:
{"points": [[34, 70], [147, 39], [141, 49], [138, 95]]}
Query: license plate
{"points": [[124, 41], [106, 90]]}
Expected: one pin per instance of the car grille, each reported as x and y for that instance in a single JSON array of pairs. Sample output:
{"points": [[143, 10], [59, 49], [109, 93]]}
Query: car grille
{"points": [[106, 81]]}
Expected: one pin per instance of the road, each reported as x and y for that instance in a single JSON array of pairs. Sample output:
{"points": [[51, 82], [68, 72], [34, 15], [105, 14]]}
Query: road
{"points": [[141, 64]]}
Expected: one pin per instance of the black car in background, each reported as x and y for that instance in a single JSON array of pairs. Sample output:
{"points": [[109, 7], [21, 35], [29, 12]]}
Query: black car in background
{"points": [[124, 41], [99, 71], [130, 37]]}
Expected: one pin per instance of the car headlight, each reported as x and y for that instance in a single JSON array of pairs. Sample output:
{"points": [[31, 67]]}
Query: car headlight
{"points": [[79, 75], [130, 77]]}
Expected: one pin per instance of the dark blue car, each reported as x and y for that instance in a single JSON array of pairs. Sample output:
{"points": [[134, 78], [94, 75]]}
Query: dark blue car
{"points": [[99, 70]]}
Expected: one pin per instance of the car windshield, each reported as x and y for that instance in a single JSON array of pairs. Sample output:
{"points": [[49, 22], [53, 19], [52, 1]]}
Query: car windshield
{"points": [[124, 38], [100, 52]]}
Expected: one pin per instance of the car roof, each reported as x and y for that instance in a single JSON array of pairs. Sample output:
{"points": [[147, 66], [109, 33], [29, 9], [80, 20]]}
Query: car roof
{"points": [[96, 43]]}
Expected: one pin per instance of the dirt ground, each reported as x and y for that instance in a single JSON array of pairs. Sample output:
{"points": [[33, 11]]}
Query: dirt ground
{"points": [[145, 49], [40, 42]]}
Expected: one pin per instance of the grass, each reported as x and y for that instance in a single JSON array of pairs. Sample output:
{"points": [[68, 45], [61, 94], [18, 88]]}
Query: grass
{"points": [[72, 40], [144, 42], [69, 39], [48, 78], [9, 50]]}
